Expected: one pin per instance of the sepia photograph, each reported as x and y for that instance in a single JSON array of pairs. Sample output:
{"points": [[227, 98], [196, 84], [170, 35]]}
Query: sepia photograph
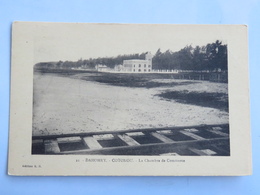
{"points": [[138, 99], [130, 97], [131, 94]]}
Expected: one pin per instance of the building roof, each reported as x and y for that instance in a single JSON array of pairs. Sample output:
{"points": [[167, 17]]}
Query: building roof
{"points": [[136, 60]]}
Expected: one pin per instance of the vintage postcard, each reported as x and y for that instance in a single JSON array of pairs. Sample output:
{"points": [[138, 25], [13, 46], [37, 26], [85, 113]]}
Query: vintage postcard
{"points": [[129, 99]]}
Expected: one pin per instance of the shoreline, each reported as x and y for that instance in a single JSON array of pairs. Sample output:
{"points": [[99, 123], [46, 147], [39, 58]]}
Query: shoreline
{"points": [[69, 104]]}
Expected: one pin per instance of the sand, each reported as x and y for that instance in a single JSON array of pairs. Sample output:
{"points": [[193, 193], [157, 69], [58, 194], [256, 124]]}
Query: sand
{"points": [[71, 105]]}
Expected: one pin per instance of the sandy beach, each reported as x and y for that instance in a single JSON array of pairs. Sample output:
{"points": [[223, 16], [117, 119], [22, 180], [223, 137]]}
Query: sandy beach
{"points": [[71, 105]]}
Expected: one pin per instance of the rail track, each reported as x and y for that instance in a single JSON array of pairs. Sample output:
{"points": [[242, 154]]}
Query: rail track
{"points": [[202, 140]]}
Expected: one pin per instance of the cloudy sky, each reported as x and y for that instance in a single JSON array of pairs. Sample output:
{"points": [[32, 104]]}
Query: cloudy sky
{"points": [[60, 41]]}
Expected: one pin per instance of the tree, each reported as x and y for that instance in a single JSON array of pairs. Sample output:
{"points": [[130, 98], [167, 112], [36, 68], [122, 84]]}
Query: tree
{"points": [[212, 56], [216, 54]]}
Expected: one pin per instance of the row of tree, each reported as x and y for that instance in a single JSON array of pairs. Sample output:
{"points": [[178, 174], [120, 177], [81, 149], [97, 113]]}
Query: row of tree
{"points": [[210, 57]]}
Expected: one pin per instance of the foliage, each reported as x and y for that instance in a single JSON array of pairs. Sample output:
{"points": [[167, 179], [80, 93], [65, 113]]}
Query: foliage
{"points": [[211, 57]]}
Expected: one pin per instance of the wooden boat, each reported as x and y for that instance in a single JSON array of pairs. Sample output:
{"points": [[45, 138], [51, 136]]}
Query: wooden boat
{"points": [[202, 140]]}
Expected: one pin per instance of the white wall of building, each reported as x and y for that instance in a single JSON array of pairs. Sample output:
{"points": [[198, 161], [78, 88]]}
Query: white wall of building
{"points": [[139, 66]]}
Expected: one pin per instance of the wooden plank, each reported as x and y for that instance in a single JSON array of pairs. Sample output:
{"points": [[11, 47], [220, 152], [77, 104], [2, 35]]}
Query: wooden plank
{"points": [[62, 140], [91, 142], [199, 152], [162, 137], [209, 152], [216, 128], [139, 148], [164, 131], [170, 154], [51, 147], [191, 130], [218, 133], [192, 135], [220, 150], [135, 134], [104, 137], [128, 140], [175, 128], [37, 141]]}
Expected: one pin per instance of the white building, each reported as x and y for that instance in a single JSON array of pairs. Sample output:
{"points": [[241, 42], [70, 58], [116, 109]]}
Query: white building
{"points": [[137, 65], [101, 68], [119, 68]]}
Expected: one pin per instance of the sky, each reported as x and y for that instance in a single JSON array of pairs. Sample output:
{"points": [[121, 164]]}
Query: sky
{"points": [[60, 41]]}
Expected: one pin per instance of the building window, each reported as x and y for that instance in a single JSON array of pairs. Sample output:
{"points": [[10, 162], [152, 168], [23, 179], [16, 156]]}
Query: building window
{"points": [[149, 66], [134, 70], [139, 70], [145, 65], [139, 65], [149, 70], [134, 65], [144, 70]]}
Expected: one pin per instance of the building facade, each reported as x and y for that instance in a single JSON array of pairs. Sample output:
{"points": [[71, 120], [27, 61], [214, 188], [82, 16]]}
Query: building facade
{"points": [[101, 68], [139, 66]]}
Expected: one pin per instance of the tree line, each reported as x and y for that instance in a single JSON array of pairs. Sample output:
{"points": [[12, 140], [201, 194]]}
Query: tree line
{"points": [[212, 56]]}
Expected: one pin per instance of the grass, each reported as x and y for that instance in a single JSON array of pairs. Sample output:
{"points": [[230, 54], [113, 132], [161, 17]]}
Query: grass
{"points": [[205, 99], [118, 79], [62, 72], [133, 80]]}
